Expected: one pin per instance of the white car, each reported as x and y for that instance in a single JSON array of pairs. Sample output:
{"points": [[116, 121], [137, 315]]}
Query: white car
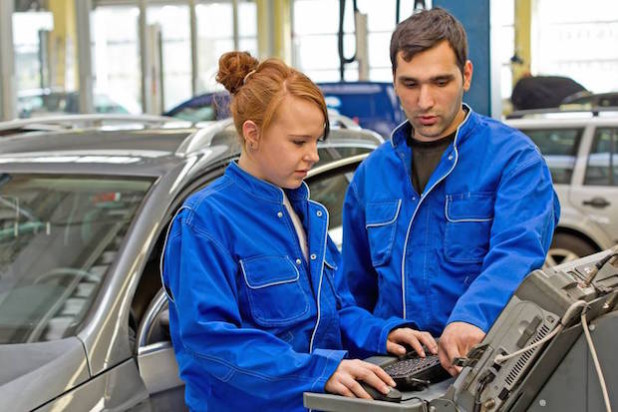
{"points": [[582, 153]]}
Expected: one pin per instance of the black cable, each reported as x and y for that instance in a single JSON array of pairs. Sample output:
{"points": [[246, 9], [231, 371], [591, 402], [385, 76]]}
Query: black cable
{"points": [[397, 5], [480, 388], [595, 270], [423, 401], [606, 259], [418, 5], [342, 59]]}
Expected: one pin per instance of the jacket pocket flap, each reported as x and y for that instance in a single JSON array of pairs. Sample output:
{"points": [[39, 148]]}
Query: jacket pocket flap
{"points": [[382, 213], [470, 207], [265, 271]]}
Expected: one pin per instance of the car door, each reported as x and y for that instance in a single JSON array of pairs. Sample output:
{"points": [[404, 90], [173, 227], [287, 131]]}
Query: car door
{"points": [[596, 192], [328, 185], [155, 356]]}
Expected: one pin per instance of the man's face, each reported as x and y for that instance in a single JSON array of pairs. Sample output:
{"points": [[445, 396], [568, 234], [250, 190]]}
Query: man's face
{"points": [[430, 88]]}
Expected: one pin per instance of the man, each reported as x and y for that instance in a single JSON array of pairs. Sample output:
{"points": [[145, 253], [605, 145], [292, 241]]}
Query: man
{"points": [[442, 223]]}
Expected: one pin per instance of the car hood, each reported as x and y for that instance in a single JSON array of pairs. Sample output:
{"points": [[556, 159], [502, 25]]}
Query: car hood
{"points": [[35, 373]]}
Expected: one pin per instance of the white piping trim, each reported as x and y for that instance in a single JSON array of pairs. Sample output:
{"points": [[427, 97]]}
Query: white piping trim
{"points": [[396, 129], [368, 225], [405, 245], [279, 282], [167, 234], [317, 322], [333, 267], [448, 218]]}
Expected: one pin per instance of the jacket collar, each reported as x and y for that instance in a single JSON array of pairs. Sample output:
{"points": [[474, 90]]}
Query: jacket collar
{"points": [[401, 132], [262, 189]]}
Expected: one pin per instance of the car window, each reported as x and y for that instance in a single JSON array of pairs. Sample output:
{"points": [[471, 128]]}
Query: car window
{"points": [[559, 147], [58, 236], [329, 189], [602, 167]]}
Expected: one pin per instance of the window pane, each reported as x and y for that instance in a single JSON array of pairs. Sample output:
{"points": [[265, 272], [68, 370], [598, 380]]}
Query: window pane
{"points": [[379, 50], [247, 18], [315, 45], [329, 190], [602, 167], [559, 147], [176, 51], [215, 36], [308, 12], [380, 14], [58, 237], [577, 39], [115, 55], [29, 28], [320, 52]]}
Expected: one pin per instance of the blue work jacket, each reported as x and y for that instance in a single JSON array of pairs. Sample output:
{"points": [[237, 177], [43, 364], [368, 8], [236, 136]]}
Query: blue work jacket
{"points": [[253, 324], [457, 251]]}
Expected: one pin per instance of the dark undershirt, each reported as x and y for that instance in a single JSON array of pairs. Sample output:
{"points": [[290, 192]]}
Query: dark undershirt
{"points": [[425, 158]]}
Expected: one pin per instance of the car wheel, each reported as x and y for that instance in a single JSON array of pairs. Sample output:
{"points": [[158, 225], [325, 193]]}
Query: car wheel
{"points": [[566, 248]]}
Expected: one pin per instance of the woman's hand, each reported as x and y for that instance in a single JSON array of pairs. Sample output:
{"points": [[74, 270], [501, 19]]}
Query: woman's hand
{"points": [[345, 380]]}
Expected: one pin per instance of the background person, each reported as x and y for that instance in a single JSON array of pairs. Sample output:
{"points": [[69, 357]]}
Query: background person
{"points": [[255, 317], [442, 223]]}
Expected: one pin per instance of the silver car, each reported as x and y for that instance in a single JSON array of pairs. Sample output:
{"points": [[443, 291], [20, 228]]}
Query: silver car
{"points": [[83, 215], [582, 153]]}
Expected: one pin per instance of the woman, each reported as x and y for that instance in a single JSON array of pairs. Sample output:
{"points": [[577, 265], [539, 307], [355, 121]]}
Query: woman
{"points": [[255, 314]]}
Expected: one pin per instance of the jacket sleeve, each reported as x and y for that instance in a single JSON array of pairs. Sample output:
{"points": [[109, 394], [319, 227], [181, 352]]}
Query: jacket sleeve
{"points": [[358, 274], [526, 212], [201, 276], [363, 333]]}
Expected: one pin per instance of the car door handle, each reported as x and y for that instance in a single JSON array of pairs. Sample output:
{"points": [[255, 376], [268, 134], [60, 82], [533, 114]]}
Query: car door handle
{"points": [[598, 202]]}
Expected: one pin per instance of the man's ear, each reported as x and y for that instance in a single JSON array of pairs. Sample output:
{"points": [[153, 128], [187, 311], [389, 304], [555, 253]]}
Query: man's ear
{"points": [[467, 75], [251, 134]]}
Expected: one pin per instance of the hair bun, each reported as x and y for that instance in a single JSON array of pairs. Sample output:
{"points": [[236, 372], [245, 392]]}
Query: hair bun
{"points": [[233, 67]]}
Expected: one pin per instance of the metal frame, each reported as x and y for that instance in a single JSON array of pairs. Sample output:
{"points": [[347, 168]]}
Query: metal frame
{"points": [[70, 121], [593, 111], [146, 78], [8, 97], [82, 16]]}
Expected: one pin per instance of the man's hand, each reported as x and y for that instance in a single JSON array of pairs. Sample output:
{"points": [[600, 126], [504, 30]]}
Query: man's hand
{"points": [[399, 338], [345, 379], [456, 340]]}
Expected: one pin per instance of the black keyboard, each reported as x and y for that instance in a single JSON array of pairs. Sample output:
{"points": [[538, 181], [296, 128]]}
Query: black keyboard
{"points": [[415, 373]]}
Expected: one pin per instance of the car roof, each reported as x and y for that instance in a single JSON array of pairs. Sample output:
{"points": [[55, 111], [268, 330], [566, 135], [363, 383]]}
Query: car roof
{"points": [[563, 120], [138, 151], [565, 113]]}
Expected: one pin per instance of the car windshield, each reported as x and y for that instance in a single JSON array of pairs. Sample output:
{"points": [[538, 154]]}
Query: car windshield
{"points": [[58, 236]]}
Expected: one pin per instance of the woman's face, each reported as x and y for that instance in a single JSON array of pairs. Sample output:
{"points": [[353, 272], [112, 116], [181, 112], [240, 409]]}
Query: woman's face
{"points": [[287, 150]]}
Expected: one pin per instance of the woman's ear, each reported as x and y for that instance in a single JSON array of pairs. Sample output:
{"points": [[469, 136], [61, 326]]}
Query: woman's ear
{"points": [[251, 134]]}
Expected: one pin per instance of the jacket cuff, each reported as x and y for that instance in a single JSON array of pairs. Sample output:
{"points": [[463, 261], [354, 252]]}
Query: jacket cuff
{"points": [[469, 318], [331, 360], [391, 324]]}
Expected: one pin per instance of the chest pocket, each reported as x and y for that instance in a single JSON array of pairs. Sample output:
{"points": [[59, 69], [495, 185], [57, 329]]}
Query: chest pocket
{"points": [[469, 217], [381, 226], [275, 295]]}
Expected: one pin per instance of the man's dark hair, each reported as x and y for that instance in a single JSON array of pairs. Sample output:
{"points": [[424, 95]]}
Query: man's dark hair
{"points": [[424, 30]]}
